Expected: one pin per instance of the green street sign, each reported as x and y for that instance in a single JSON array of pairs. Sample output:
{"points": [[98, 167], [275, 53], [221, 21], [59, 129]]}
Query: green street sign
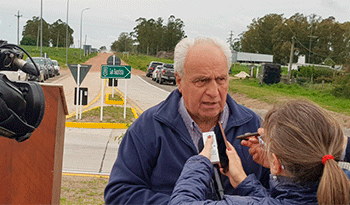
{"points": [[116, 71]]}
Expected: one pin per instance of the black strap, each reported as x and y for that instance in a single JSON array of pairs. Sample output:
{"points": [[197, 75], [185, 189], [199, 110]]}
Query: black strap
{"points": [[200, 144]]}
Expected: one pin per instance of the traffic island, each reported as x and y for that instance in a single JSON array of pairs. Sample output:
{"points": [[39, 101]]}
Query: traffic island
{"points": [[112, 118], [117, 99]]}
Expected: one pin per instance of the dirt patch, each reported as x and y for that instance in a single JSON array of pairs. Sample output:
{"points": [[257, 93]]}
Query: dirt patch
{"points": [[261, 107]]}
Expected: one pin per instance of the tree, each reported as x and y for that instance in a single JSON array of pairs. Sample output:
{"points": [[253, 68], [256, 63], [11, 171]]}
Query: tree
{"points": [[259, 37], [315, 38], [152, 36], [173, 33], [51, 33], [123, 44], [58, 34], [32, 31]]}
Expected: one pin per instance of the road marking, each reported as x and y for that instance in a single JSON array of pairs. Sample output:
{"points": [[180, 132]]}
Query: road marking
{"points": [[153, 85], [85, 175]]}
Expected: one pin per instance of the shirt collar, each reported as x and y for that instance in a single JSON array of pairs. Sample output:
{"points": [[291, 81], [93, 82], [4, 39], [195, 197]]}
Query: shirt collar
{"points": [[191, 124]]}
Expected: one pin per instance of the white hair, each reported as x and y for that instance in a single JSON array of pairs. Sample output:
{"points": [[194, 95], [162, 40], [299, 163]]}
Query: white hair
{"points": [[183, 46]]}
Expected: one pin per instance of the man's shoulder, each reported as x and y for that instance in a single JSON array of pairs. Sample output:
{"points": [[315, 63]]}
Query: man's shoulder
{"points": [[160, 111], [240, 111]]}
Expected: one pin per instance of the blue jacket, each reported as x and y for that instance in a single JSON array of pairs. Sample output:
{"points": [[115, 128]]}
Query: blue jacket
{"points": [[157, 145], [191, 188]]}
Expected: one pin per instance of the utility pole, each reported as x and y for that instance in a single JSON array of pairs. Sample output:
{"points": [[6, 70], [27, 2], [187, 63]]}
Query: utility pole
{"points": [[18, 16], [67, 35], [41, 29], [291, 59], [311, 36]]}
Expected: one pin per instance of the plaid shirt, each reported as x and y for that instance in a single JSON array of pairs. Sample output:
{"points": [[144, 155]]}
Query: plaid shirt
{"points": [[193, 128]]}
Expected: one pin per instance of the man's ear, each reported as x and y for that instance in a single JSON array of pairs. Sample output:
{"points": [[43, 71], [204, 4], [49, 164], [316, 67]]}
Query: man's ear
{"points": [[178, 81], [275, 166]]}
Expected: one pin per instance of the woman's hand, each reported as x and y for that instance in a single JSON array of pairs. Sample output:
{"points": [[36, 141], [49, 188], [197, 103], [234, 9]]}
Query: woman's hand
{"points": [[207, 148], [259, 155], [235, 172]]}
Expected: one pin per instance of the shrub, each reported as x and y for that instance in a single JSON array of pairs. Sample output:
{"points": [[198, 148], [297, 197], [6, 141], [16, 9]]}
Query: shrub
{"points": [[342, 86]]}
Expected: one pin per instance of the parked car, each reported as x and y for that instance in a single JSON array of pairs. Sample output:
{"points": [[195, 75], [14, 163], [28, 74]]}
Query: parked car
{"points": [[151, 67], [41, 77], [50, 67], [56, 67], [155, 72], [166, 74], [41, 61]]}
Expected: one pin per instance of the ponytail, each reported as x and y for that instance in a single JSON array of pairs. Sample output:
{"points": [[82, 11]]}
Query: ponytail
{"points": [[334, 187]]}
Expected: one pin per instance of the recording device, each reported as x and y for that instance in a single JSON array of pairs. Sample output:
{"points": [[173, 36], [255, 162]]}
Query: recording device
{"points": [[214, 157], [244, 137], [221, 141], [218, 148], [22, 103]]}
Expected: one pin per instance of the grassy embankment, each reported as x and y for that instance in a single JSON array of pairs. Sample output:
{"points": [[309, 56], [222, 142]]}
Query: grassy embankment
{"points": [[59, 54], [268, 93], [141, 62]]}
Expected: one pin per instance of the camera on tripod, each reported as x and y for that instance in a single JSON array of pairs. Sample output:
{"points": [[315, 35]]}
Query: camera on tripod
{"points": [[22, 103]]}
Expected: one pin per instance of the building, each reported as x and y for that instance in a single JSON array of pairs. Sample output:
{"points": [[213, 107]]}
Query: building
{"points": [[242, 57]]}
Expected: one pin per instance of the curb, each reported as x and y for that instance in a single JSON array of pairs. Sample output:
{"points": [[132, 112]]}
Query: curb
{"points": [[100, 125], [114, 102]]}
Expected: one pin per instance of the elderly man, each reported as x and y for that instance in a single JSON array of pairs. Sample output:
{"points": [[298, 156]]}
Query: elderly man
{"points": [[156, 146]]}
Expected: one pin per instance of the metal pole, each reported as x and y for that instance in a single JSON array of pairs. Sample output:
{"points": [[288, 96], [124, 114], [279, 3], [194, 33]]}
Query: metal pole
{"points": [[113, 78], [290, 59], [80, 103], [41, 29], [77, 93], [81, 28], [67, 35], [126, 84], [18, 16], [101, 116]]}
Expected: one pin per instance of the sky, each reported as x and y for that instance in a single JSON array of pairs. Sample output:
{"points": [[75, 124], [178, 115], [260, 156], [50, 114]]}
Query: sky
{"points": [[103, 22]]}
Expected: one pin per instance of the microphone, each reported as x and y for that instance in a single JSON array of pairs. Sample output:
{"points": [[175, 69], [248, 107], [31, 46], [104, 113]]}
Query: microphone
{"points": [[29, 68]]}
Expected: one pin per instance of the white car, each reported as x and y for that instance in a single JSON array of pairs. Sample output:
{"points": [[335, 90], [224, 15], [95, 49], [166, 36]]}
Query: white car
{"points": [[56, 67], [155, 72]]}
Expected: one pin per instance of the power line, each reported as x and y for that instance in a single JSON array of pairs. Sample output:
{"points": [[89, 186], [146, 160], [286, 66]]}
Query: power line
{"points": [[295, 36]]}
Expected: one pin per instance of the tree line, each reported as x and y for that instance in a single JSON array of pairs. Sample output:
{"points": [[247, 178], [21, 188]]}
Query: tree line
{"points": [[151, 36], [319, 40], [53, 34]]}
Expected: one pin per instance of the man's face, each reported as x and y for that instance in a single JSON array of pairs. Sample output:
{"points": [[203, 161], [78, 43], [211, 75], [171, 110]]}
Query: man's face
{"points": [[204, 84]]}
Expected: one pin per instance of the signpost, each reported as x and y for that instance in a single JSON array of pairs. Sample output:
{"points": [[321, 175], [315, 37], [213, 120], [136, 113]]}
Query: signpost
{"points": [[79, 72], [118, 72]]}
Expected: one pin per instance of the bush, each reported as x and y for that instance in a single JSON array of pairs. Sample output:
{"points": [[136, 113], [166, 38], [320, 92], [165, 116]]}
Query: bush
{"points": [[342, 86], [315, 74]]}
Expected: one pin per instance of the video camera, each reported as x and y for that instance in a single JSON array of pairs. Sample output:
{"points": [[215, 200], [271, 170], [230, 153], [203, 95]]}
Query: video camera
{"points": [[22, 103]]}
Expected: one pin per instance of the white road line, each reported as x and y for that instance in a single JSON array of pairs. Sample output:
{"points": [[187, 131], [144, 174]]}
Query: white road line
{"points": [[167, 92]]}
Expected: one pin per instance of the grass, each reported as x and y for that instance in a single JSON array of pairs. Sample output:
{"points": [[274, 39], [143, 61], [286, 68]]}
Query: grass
{"points": [[273, 93], [111, 114], [141, 62], [115, 98], [59, 54], [82, 190]]}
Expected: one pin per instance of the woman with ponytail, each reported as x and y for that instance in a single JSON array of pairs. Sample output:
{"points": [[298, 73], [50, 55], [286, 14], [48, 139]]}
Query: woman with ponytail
{"points": [[299, 142]]}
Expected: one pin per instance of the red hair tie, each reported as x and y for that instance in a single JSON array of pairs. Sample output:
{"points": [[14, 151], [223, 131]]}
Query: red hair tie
{"points": [[326, 157]]}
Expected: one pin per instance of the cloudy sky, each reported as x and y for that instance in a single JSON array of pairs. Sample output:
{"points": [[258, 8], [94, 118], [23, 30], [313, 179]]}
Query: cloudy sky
{"points": [[106, 19]]}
